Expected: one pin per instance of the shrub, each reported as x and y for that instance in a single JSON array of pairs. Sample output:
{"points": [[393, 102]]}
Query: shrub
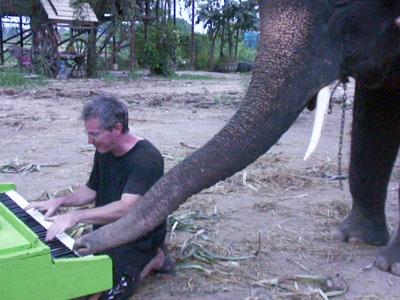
{"points": [[12, 77], [161, 55]]}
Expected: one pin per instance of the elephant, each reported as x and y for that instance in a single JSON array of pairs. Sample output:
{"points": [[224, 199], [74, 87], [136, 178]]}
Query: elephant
{"points": [[304, 46]]}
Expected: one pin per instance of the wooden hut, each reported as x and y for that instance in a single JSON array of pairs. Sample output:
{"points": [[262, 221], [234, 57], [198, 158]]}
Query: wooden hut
{"points": [[42, 38]]}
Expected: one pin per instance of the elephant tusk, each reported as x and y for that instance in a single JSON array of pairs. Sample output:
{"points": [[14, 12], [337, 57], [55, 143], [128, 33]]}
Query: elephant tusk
{"points": [[320, 113], [397, 22]]}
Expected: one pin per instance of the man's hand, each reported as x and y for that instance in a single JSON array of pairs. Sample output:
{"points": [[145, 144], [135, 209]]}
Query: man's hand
{"points": [[49, 207], [60, 224]]}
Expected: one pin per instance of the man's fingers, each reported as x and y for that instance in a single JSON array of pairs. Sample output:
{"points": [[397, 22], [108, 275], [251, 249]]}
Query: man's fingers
{"points": [[32, 205], [53, 231], [49, 215], [51, 234], [36, 205]]}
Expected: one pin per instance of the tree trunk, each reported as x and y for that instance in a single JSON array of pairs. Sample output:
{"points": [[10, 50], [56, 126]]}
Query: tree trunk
{"points": [[146, 23], [1, 42], [174, 13], [211, 61], [192, 39], [157, 9], [236, 43], [133, 60], [221, 52], [230, 41], [92, 55], [114, 45], [169, 9]]}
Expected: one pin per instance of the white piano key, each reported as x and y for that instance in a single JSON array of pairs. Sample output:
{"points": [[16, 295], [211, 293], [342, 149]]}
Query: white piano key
{"points": [[38, 216]]}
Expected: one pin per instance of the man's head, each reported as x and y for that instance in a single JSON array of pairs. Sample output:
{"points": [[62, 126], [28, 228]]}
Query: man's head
{"points": [[105, 119]]}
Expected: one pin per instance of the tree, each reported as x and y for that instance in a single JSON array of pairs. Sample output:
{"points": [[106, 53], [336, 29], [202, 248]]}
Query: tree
{"points": [[227, 22], [246, 14], [192, 5], [211, 15]]}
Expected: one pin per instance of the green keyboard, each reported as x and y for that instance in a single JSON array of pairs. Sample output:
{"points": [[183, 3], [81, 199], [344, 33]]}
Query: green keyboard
{"points": [[33, 269]]}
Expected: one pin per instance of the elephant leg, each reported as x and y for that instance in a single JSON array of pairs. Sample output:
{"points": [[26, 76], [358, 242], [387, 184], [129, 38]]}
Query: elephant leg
{"points": [[374, 147], [388, 258]]}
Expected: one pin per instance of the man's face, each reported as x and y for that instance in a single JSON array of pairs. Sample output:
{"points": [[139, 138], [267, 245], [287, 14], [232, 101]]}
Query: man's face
{"points": [[100, 138]]}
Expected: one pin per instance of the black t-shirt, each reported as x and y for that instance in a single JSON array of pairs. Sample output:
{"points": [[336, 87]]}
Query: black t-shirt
{"points": [[134, 173]]}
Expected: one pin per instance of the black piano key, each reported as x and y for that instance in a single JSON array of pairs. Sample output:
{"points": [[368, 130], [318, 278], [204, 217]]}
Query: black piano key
{"points": [[57, 249]]}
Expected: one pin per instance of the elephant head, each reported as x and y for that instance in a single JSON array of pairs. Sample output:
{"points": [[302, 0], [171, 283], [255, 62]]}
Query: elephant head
{"points": [[304, 45]]}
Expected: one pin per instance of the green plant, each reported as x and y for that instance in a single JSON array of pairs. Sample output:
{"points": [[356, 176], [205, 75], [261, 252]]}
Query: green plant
{"points": [[222, 100], [111, 77], [11, 77], [161, 55], [190, 77], [246, 54]]}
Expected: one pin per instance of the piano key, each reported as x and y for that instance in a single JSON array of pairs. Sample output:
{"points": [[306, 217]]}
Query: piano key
{"points": [[60, 247], [38, 216]]}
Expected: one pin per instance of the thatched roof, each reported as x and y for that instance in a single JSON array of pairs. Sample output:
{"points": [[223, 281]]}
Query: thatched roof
{"points": [[54, 10], [61, 10]]}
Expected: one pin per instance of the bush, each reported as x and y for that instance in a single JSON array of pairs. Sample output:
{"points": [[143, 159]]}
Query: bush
{"points": [[203, 46], [11, 77], [158, 52], [246, 54]]}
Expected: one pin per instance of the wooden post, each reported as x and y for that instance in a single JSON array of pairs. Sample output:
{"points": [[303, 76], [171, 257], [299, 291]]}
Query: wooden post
{"points": [[91, 58], [146, 23], [174, 13], [21, 34], [113, 49], [1, 42], [192, 40], [133, 62], [105, 52]]}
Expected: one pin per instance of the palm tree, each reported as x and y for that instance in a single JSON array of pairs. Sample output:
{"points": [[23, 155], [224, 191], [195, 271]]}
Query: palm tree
{"points": [[210, 13]]}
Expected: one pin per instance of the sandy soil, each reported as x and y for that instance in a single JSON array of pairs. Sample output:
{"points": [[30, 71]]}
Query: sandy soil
{"points": [[280, 207]]}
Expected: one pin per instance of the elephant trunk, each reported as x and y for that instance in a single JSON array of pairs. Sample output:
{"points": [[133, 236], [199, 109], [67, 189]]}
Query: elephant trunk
{"points": [[278, 92]]}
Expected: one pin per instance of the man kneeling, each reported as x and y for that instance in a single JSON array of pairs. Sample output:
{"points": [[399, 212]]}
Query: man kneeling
{"points": [[125, 167]]}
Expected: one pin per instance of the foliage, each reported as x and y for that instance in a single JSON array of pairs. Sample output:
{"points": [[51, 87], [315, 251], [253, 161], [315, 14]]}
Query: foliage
{"points": [[182, 26], [210, 14], [190, 77], [12, 77], [203, 46], [161, 54], [112, 77], [121, 10], [165, 46], [246, 14], [16, 8], [246, 54], [227, 22]]}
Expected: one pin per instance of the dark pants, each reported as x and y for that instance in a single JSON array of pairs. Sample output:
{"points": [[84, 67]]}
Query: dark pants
{"points": [[130, 259]]}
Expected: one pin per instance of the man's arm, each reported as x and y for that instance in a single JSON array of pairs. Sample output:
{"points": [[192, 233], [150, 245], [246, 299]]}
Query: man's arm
{"points": [[84, 195], [98, 215]]}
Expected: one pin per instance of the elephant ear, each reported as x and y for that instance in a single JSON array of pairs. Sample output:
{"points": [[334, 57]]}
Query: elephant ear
{"points": [[367, 35]]}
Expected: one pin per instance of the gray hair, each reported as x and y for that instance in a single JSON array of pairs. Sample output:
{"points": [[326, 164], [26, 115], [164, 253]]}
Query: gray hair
{"points": [[109, 110]]}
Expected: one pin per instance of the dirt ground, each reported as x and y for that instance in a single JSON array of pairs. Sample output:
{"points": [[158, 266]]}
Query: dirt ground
{"points": [[281, 208]]}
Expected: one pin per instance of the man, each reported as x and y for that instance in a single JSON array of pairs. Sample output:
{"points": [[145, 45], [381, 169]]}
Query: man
{"points": [[125, 167]]}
